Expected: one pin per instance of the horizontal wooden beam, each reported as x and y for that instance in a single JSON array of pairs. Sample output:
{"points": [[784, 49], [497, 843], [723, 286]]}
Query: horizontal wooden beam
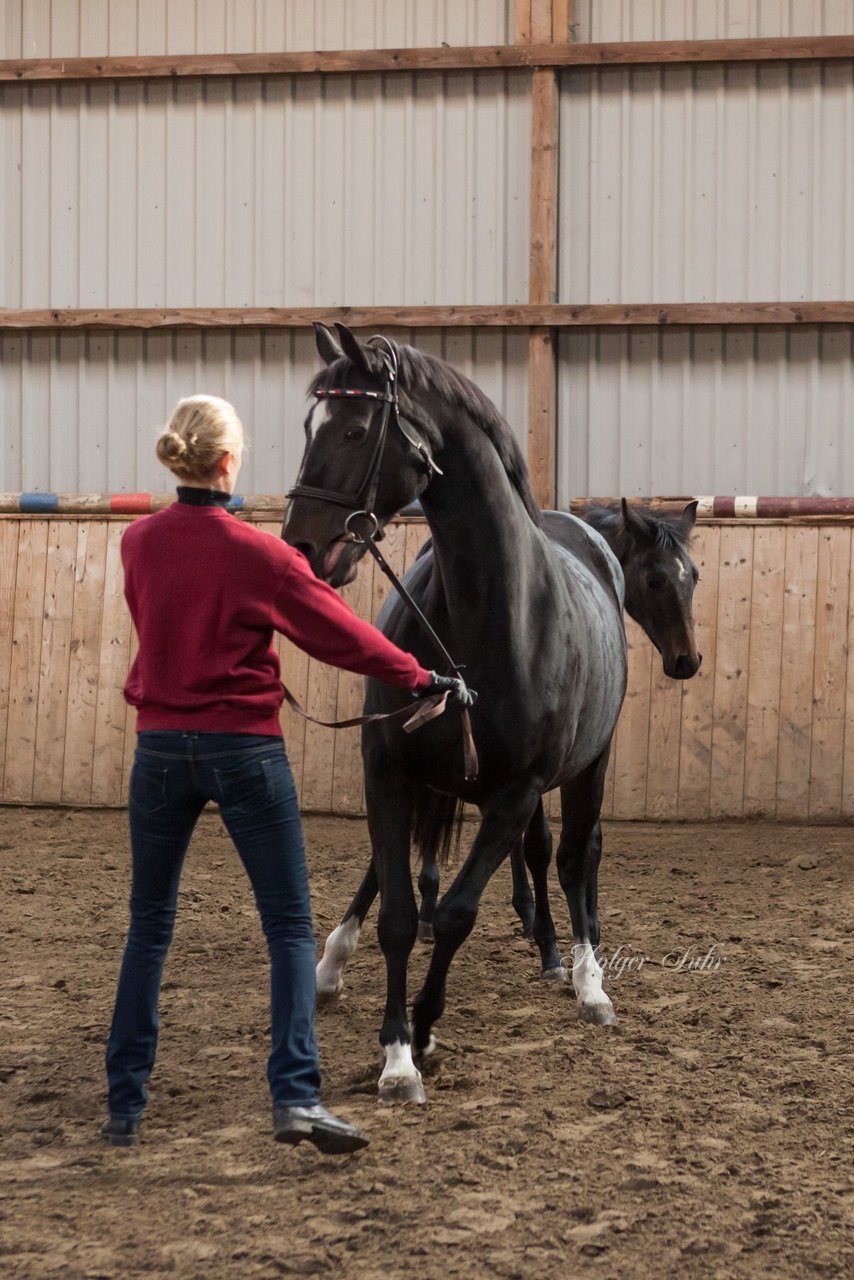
{"points": [[514, 315], [469, 58]]}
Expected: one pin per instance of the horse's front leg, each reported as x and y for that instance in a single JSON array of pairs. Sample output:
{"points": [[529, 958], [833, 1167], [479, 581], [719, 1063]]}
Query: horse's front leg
{"points": [[344, 938], [578, 857], [504, 820], [389, 803]]}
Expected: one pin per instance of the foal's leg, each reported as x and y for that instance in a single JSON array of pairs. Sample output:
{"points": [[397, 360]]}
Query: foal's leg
{"points": [[578, 857], [504, 821], [537, 846], [522, 899], [389, 803], [344, 938]]}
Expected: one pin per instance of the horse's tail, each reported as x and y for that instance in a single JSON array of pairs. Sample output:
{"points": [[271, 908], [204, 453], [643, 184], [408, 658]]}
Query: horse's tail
{"points": [[437, 822]]}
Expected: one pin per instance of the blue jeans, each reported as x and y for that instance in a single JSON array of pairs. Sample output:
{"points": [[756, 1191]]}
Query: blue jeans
{"points": [[174, 775]]}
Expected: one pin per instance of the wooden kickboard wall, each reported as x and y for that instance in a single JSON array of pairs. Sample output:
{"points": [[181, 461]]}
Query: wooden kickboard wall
{"points": [[760, 732]]}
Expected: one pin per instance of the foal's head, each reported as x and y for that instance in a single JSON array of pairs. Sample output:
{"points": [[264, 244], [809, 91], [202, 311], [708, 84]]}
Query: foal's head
{"points": [[660, 575]]}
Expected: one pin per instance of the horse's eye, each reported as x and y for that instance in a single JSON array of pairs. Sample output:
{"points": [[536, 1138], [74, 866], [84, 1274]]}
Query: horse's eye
{"points": [[355, 433], [655, 584]]}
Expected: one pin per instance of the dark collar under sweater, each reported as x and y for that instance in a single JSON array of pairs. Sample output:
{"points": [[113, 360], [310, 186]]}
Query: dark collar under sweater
{"points": [[202, 497]]}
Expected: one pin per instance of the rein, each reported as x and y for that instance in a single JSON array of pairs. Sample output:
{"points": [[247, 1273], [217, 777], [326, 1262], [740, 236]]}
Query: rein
{"points": [[362, 505]]}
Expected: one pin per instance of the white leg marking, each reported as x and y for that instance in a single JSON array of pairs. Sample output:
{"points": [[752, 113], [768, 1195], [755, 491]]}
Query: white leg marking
{"points": [[400, 1079], [340, 945], [593, 1004]]}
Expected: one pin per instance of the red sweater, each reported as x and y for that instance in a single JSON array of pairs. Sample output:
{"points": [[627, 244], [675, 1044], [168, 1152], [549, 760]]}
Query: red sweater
{"points": [[206, 592]]}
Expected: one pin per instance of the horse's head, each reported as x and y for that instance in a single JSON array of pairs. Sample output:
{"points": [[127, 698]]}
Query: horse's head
{"points": [[660, 579], [367, 455]]}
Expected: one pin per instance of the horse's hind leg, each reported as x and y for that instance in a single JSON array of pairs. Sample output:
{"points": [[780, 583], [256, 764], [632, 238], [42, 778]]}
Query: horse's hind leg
{"points": [[428, 887], [578, 857], [537, 846], [344, 938]]}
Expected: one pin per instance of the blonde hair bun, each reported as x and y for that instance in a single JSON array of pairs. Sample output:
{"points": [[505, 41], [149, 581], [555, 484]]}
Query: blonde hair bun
{"points": [[201, 429]]}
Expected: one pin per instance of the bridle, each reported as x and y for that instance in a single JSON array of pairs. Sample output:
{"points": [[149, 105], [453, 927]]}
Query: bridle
{"points": [[362, 502]]}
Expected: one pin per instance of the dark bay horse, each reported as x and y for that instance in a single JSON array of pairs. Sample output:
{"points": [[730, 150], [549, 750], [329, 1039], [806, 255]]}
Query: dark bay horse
{"points": [[535, 615], [660, 576]]}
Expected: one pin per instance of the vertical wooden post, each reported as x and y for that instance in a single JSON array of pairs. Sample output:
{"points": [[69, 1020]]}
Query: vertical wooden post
{"points": [[542, 21]]}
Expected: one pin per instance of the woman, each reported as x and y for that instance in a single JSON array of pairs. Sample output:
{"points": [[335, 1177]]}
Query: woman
{"points": [[206, 592]]}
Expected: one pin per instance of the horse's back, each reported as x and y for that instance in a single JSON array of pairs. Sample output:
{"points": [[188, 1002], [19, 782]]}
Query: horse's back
{"points": [[583, 543]]}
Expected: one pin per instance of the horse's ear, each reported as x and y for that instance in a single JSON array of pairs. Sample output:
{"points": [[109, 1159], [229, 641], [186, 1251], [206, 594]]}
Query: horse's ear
{"points": [[633, 524], [327, 344], [353, 349], [688, 516]]}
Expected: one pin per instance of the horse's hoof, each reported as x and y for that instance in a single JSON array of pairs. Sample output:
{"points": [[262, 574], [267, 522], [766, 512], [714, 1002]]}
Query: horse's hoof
{"points": [[329, 995], [558, 974], [401, 1089], [600, 1015], [425, 932]]}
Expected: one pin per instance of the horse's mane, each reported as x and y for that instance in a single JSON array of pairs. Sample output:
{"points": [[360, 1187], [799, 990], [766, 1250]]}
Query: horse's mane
{"points": [[419, 371], [664, 531]]}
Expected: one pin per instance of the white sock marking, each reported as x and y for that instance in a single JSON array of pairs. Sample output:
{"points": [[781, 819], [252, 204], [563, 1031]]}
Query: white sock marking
{"points": [[399, 1064], [340, 945], [587, 976]]}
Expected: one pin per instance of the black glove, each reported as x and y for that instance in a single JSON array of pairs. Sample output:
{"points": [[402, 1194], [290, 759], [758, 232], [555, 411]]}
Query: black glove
{"points": [[459, 695]]}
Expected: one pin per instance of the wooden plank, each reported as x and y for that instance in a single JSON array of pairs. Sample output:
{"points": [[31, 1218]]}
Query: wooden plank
{"points": [[111, 712], [347, 771], [541, 21], [796, 674], [542, 416], [522, 21], [9, 530], [416, 535], [848, 750], [633, 730], [24, 668], [763, 672], [698, 697], [732, 657], [563, 21], [83, 664], [55, 656], [512, 315], [663, 744], [465, 58], [827, 735]]}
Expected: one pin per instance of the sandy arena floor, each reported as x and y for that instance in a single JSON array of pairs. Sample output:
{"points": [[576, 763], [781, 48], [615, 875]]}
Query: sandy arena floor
{"points": [[708, 1135]]}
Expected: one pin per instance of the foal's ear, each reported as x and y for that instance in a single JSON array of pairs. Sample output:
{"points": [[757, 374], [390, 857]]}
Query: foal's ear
{"points": [[327, 344], [354, 351], [633, 524], [688, 516]]}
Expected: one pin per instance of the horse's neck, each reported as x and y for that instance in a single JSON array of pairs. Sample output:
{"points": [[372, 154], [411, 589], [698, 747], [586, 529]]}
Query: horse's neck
{"points": [[482, 534]]}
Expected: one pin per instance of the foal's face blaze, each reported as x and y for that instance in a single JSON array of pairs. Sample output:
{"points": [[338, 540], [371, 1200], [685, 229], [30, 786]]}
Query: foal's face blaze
{"points": [[659, 594], [342, 436]]}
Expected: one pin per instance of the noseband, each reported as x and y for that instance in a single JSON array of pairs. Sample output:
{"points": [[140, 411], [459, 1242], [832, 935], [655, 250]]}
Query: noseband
{"points": [[362, 502]]}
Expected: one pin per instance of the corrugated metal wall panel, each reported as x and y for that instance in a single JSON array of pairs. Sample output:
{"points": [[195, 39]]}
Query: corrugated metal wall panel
{"points": [[358, 190], [61, 29], [710, 19], [81, 412], [706, 411], [710, 183]]}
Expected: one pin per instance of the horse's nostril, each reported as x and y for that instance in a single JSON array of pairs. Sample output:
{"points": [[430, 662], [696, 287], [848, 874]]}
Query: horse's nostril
{"points": [[307, 548]]}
